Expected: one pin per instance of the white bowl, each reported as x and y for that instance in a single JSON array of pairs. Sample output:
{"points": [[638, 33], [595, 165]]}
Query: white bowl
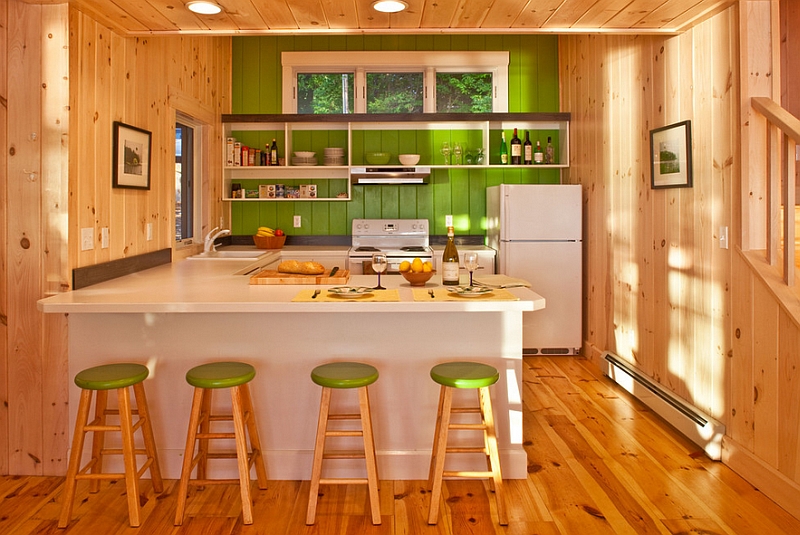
{"points": [[304, 154], [408, 159]]}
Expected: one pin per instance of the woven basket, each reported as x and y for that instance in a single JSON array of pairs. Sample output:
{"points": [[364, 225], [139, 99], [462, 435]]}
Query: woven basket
{"points": [[269, 242]]}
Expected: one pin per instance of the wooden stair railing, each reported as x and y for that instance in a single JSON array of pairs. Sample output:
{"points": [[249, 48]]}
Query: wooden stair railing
{"points": [[783, 134]]}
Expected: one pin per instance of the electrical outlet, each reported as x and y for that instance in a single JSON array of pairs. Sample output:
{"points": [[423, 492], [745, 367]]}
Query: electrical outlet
{"points": [[149, 231], [104, 237], [87, 239], [297, 221]]}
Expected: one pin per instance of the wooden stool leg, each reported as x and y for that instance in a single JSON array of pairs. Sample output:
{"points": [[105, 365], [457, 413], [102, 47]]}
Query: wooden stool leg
{"points": [[255, 440], [205, 428], [369, 455], [319, 446], [494, 454], [98, 438], [441, 440], [435, 451], [241, 454], [188, 454], [129, 455], [149, 437], [75, 458]]}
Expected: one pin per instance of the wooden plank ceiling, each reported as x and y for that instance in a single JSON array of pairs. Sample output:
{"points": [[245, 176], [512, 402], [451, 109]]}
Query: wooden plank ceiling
{"points": [[422, 16]]}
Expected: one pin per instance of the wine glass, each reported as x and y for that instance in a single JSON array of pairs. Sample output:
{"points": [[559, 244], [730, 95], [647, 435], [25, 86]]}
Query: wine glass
{"points": [[471, 263], [446, 152], [457, 151], [379, 265]]}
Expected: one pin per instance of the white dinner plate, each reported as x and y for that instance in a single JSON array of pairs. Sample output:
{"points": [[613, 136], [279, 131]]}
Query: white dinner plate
{"points": [[350, 291], [470, 291]]}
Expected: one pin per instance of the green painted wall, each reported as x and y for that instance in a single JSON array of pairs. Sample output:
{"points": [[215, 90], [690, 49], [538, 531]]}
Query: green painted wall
{"points": [[256, 85]]}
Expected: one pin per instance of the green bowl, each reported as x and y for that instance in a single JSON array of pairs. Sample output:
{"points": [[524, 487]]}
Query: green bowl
{"points": [[378, 158]]}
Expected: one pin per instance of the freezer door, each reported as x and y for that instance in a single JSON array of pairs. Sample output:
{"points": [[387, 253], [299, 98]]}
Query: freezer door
{"points": [[554, 271], [541, 212]]}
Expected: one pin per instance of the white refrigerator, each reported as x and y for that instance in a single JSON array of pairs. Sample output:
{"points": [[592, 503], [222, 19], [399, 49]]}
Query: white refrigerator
{"points": [[537, 232]]}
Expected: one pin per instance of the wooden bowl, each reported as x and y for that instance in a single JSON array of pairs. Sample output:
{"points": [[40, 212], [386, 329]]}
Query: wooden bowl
{"points": [[417, 279], [269, 242]]}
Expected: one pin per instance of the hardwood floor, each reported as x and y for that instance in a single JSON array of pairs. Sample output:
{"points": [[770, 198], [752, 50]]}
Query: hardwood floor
{"points": [[599, 462]]}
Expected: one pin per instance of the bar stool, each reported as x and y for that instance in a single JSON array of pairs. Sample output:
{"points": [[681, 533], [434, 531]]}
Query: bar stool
{"points": [[96, 382], [344, 375], [205, 379], [465, 375]]}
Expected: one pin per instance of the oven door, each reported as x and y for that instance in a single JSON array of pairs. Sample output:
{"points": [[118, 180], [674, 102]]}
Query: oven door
{"points": [[362, 265]]}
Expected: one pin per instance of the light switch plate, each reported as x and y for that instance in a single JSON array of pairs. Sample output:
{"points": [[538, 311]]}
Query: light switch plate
{"points": [[104, 238], [87, 239], [297, 221], [149, 231], [723, 237]]}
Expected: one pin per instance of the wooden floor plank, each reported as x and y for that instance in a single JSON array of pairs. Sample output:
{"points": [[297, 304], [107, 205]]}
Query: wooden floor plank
{"points": [[599, 462]]}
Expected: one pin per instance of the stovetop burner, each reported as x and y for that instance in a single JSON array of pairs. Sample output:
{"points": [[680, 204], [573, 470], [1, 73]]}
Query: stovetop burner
{"points": [[367, 249], [414, 248]]}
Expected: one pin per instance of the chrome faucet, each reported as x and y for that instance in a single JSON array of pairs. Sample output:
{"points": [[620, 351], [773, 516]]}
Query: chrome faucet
{"points": [[211, 236]]}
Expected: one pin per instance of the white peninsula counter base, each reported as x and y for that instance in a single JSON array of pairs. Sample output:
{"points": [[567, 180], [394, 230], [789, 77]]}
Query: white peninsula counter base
{"points": [[178, 316]]}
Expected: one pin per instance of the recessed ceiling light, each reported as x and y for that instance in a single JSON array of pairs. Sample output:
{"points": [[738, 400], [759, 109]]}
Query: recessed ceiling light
{"points": [[389, 6], [204, 7]]}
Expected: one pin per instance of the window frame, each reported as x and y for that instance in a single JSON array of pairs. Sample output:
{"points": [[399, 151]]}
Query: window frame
{"points": [[198, 172], [427, 62]]}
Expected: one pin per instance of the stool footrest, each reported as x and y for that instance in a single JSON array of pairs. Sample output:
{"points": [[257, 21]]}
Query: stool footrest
{"points": [[344, 455], [213, 436], [104, 475], [465, 473], [472, 427], [358, 481], [466, 449], [118, 451], [204, 482], [344, 416], [465, 410], [344, 433]]}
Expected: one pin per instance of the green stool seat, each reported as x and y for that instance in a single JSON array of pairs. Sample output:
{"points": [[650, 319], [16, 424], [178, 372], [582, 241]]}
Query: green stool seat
{"points": [[344, 375], [465, 374], [220, 375], [111, 376]]}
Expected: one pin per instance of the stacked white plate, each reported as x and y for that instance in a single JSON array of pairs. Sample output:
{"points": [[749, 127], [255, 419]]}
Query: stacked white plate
{"points": [[304, 158], [334, 156]]}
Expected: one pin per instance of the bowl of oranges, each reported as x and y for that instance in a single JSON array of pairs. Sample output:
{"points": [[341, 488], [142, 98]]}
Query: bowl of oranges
{"points": [[416, 272]]}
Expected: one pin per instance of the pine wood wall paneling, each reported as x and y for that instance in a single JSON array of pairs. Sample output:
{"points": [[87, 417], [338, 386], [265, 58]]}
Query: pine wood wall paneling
{"points": [[24, 245], [4, 394], [55, 203], [683, 269]]}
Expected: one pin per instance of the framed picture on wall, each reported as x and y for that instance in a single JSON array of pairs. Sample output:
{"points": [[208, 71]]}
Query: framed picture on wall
{"points": [[131, 157], [671, 156]]}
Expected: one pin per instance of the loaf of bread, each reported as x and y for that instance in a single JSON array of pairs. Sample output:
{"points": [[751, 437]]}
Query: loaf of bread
{"points": [[302, 268]]}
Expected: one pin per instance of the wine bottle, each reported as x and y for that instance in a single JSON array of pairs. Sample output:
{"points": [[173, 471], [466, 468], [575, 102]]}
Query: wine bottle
{"points": [[549, 152], [538, 155], [273, 153], [450, 261], [516, 149], [503, 148], [527, 149]]}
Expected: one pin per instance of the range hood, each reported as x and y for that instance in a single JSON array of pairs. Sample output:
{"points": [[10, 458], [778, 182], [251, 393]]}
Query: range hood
{"points": [[389, 174]]}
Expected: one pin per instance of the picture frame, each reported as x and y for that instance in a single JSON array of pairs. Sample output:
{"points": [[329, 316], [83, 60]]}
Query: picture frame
{"points": [[671, 156], [131, 168]]}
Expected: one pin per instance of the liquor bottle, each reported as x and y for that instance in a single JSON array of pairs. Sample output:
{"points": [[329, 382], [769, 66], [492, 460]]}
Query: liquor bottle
{"points": [[450, 261], [516, 149], [503, 148], [549, 152], [538, 155], [273, 153], [527, 149]]}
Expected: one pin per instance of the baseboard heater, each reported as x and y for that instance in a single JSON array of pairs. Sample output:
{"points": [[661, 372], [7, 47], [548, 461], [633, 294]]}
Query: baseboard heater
{"points": [[700, 428]]}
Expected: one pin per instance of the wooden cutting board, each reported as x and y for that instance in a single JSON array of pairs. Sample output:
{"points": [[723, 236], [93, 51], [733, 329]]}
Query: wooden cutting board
{"points": [[270, 276]]}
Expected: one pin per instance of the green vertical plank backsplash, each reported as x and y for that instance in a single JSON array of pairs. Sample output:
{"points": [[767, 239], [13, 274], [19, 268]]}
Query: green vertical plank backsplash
{"points": [[256, 88]]}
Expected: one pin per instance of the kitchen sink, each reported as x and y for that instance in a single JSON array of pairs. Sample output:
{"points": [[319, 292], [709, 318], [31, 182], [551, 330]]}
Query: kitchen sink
{"points": [[229, 255]]}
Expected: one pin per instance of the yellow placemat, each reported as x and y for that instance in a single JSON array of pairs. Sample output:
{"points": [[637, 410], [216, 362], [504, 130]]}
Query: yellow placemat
{"points": [[377, 296], [442, 294]]}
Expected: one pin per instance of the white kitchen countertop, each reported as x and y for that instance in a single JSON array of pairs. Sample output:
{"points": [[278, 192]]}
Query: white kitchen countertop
{"points": [[210, 285]]}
